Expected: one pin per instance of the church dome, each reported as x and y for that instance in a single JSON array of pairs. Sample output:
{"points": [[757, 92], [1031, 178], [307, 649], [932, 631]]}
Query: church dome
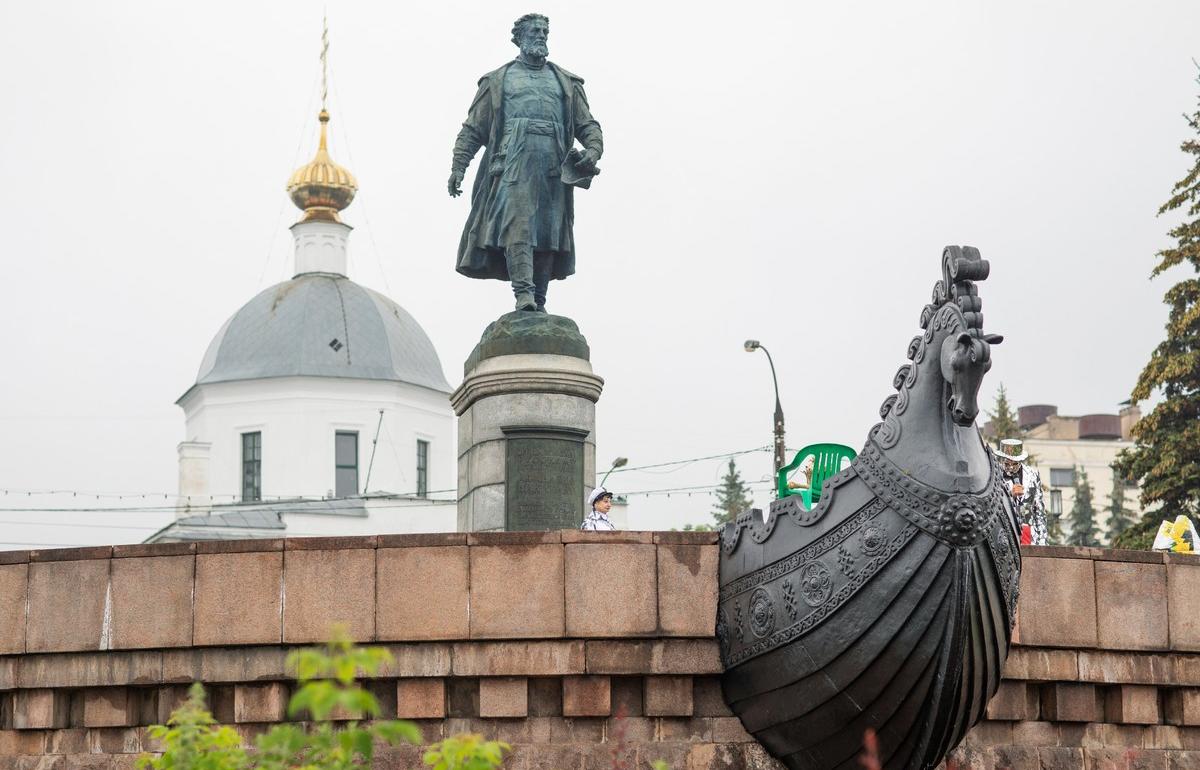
{"points": [[322, 325], [322, 188]]}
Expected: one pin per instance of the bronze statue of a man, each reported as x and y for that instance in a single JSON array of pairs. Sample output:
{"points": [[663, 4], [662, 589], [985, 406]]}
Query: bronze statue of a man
{"points": [[528, 114]]}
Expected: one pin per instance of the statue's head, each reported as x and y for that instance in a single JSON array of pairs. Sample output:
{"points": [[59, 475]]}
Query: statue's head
{"points": [[965, 358], [529, 33]]}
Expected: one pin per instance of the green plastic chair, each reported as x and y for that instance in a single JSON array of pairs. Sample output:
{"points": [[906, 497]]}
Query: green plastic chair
{"points": [[827, 461]]}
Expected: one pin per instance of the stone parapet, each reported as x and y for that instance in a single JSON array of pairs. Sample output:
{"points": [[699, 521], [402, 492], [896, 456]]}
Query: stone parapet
{"points": [[517, 585], [519, 636], [1105, 671]]}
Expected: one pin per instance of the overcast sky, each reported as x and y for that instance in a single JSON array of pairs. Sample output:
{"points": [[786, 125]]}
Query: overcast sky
{"points": [[777, 170]]}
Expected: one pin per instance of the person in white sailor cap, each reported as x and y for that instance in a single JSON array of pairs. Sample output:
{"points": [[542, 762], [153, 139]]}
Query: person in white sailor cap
{"points": [[1025, 486], [599, 503]]}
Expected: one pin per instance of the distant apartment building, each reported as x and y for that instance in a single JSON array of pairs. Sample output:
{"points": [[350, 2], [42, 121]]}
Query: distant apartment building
{"points": [[1060, 446]]}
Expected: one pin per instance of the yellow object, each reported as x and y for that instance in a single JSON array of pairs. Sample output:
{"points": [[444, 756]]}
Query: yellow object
{"points": [[322, 188], [1180, 533], [1178, 536]]}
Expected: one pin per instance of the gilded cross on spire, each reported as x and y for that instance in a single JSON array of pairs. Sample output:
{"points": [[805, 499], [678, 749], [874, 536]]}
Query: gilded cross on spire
{"points": [[322, 188], [324, 59]]}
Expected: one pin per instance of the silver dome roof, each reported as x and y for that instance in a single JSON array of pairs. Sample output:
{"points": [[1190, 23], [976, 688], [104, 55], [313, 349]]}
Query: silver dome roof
{"points": [[322, 325]]}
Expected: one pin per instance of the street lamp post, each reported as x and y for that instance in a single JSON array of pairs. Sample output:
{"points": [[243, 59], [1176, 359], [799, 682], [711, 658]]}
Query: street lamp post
{"points": [[780, 445], [620, 462]]}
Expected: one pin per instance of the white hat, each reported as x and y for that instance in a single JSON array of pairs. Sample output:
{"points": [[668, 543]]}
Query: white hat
{"points": [[1012, 449], [596, 494]]}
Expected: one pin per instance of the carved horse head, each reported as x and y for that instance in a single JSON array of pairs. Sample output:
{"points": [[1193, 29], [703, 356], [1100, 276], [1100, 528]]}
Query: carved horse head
{"points": [[928, 425], [965, 358]]}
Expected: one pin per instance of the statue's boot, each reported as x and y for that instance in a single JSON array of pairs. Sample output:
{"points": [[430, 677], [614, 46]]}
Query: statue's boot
{"points": [[519, 259], [543, 264]]}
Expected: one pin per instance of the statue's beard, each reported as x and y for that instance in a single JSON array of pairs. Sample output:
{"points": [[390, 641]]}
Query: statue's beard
{"points": [[535, 51]]}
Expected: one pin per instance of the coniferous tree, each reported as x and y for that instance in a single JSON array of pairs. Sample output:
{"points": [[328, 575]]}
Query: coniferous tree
{"points": [[1166, 457], [1002, 420], [733, 496], [1119, 518], [1083, 515]]}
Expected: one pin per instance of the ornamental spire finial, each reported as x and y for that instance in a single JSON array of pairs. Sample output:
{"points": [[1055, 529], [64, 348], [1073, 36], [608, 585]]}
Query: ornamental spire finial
{"points": [[324, 59], [322, 188]]}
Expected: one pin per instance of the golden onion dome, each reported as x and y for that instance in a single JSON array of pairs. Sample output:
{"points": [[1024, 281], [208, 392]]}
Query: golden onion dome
{"points": [[322, 188]]}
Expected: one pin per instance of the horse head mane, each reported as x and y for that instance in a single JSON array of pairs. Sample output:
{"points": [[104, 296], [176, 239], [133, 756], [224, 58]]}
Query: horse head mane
{"points": [[955, 307]]}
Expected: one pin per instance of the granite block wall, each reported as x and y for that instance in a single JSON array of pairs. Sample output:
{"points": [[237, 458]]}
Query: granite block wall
{"points": [[574, 647]]}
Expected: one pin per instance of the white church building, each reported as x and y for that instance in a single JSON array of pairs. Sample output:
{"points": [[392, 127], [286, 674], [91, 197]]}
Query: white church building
{"points": [[320, 407]]}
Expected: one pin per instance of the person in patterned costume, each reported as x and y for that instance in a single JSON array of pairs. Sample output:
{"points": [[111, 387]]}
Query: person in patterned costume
{"points": [[1025, 485]]}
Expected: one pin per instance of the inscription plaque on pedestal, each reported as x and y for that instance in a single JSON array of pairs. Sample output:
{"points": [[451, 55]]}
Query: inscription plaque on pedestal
{"points": [[543, 474]]}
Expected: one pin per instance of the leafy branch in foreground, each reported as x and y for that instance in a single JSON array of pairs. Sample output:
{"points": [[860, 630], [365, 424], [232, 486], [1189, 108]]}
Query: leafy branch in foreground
{"points": [[194, 741], [466, 752], [328, 693]]}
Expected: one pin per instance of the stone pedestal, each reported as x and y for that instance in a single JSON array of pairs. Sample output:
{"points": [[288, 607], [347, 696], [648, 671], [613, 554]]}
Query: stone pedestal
{"points": [[526, 426]]}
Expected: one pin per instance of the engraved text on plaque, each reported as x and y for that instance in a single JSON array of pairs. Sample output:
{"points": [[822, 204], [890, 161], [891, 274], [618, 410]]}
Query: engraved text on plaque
{"points": [[543, 475]]}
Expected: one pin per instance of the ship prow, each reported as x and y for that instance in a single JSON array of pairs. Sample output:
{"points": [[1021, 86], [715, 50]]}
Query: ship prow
{"points": [[857, 615], [889, 605]]}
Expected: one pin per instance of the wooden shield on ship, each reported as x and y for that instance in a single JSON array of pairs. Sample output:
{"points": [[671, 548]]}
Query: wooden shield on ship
{"points": [[889, 605]]}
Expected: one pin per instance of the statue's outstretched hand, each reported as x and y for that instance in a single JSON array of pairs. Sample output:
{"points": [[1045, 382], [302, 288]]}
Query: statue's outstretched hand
{"points": [[454, 185], [587, 160]]}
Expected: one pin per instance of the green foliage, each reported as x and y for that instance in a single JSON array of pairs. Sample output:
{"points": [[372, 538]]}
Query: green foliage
{"points": [[327, 678], [1166, 456], [733, 496], [697, 528], [466, 752], [1119, 518], [194, 741], [327, 691], [1002, 419], [1083, 515]]}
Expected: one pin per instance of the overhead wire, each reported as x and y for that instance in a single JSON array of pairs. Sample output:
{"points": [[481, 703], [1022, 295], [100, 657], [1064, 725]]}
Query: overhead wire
{"points": [[74, 524], [177, 496], [288, 498], [667, 491], [701, 488], [396, 455], [359, 197], [304, 123], [410, 502], [118, 495], [685, 463]]}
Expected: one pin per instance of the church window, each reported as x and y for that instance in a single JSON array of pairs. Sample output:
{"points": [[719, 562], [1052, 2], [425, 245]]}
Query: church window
{"points": [[422, 468], [345, 461], [251, 466]]}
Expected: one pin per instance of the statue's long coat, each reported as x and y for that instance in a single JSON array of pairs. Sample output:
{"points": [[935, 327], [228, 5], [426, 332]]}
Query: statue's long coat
{"points": [[484, 126]]}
